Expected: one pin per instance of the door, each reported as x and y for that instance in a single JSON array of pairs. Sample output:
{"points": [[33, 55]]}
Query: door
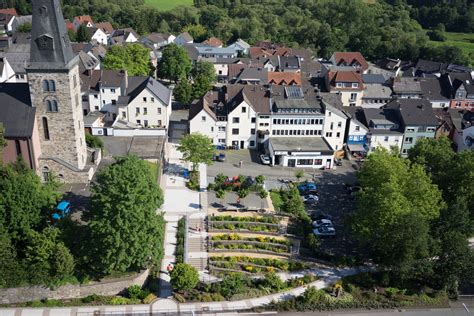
{"points": [[242, 144], [291, 162], [105, 132], [328, 163]]}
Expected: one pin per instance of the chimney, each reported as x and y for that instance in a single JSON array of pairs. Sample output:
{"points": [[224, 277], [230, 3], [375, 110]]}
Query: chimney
{"points": [[125, 80]]}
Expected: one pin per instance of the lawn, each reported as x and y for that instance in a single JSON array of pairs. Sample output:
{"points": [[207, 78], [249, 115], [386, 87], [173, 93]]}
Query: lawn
{"points": [[465, 41], [166, 5], [153, 169], [276, 199]]}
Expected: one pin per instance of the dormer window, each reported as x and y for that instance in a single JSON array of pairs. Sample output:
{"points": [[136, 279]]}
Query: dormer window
{"points": [[355, 85], [339, 84]]}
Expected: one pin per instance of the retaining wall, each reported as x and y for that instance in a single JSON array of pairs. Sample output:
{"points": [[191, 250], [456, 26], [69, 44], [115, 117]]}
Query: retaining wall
{"points": [[105, 287]]}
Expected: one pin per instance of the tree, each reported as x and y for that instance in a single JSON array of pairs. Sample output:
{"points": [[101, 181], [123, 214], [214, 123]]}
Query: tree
{"points": [[299, 174], [231, 284], [25, 202], [72, 35], [394, 210], [174, 63], [94, 141], [197, 31], [204, 76], [24, 28], [132, 57], [294, 204], [126, 230], [184, 277], [183, 93], [197, 148], [12, 272], [83, 34]]}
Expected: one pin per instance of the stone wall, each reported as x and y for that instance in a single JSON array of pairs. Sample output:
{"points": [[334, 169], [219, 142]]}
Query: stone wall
{"points": [[106, 287], [64, 173]]}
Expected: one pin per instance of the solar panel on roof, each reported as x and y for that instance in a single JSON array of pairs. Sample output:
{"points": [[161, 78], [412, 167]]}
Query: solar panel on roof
{"points": [[293, 92]]}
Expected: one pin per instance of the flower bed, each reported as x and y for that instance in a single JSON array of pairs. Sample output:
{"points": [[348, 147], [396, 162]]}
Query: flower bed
{"points": [[250, 246], [254, 265], [263, 219], [180, 235], [261, 239], [271, 229]]}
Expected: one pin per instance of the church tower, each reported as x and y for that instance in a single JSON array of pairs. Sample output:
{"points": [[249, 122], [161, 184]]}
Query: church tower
{"points": [[53, 77]]}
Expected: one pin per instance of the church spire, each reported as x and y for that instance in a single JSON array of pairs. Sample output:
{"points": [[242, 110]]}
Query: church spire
{"points": [[50, 46]]}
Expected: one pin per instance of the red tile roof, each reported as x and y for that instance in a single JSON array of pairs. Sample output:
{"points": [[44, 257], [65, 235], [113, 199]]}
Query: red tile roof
{"points": [[9, 11], [345, 76], [213, 41], [284, 78], [350, 58], [84, 19], [106, 27], [69, 25]]}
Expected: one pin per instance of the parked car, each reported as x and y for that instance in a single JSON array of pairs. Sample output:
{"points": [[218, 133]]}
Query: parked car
{"points": [[325, 231], [317, 215], [265, 159], [310, 198], [304, 188], [220, 157], [322, 222], [62, 210]]}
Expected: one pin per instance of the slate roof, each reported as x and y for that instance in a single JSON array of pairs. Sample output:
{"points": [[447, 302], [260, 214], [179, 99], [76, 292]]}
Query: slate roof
{"points": [[381, 116], [96, 78], [461, 119], [16, 112], [55, 29], [406, 85], [18, 56], [414, 111], [373, 78], [432, 89], [301, 144], [253, 74], [376, 91], [288, 62], [137, 84]]}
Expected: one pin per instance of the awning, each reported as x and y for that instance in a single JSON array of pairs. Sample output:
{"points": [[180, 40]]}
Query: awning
{"points": [[356, 147]]}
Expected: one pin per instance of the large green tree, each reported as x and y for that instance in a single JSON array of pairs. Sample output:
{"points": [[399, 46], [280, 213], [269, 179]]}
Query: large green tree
{"points": [[197, 148], [183, 92], [394, 211], [174, 63], [132, 57], [184, 277], [126, 230], [83, 34], [204, 76]]}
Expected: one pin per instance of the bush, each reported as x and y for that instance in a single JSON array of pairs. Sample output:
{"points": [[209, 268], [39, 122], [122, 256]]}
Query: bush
{"points": [[94, 141], [134, 291], [149, 298], [180, 298], [260, 179], [230, 285], [184, 277], [273, 281]]}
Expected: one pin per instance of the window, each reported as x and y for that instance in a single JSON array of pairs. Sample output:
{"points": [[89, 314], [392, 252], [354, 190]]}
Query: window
{"points": [[430, 129], [221, 140], [221, 128], [353, 97], [139, 122], [45, 85], [329, 113], [212, 128], [318, 162], [152, 99], [159, 110], [49, 85], [103, 102], [124, 115], [408, 140], [235, 120], [145, 122], [304, 162], [339, 124], [18, 147], [112, 90], [355, 85], [338, 134], [45, 128], [357, 128], [144, 99], [252, 143], [235, 131], [410, 130], [145, 111], [159, 122], [203, 118], [74, 80], [352, 104], [103, 90], [46, 174], [252, 131], [339, 84], [114, 102], [137, 111], [51, 106], [96, 96], [386, 138], [404, 151], [332, 125], [329, 134], [96, 108], [244, 109], [253, 120]]}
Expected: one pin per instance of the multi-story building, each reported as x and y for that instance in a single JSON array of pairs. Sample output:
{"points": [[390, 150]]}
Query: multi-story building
{"points": [[383, 129], [347, 82]]}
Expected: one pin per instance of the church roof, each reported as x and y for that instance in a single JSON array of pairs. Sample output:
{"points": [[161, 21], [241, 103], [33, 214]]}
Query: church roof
{"points": [[16, 113], [50, 46]]}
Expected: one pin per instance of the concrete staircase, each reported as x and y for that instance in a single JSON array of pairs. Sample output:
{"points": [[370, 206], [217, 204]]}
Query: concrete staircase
{"points": [[197, 243]]}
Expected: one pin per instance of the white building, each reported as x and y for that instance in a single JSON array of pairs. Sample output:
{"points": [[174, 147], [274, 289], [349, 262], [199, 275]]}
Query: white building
{"points": [[334, 126], [7, 74], [241, 46], [183, 38], [99, 36], [384, 129]]}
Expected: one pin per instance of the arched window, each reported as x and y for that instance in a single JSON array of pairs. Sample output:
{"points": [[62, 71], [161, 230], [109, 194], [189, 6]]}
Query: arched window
{"points": [[45, 128], [46, 174], [45, 85], [54, 106], [52, 85]]}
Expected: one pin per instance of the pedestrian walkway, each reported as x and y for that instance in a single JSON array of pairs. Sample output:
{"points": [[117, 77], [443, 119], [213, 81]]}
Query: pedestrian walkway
{"points": [[197, 242], [327, 277], [169, 257]]}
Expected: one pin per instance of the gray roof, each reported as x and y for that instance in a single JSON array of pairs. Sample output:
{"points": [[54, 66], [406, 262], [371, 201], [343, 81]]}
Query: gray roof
{"points": [[300, 144], [414, 111], [18, 56], [432, 90], [294, 104], [92, 117], [138, 84], [16, 112], [253, 74], [407, 85], [461, 119], [373, 78], [186, 37], [50, 46], [202, 50], [288, 62], [376, 91], [240, 42], [381, 116]]}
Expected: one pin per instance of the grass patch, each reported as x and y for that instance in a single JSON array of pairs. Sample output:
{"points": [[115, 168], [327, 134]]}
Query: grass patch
{"points": [[464, 41], [166, 5], [153, 169], [277, 201]]}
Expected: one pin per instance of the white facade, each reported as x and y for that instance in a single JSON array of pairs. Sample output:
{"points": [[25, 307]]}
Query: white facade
{"points": [[104, 100], [350, 98], [131, 38], [334, 127], [386, 141], [464, 139], [240, 128], [100, 37], [146, 110], [7, 74]]}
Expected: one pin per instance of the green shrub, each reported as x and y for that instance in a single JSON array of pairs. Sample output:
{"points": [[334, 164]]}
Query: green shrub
{"points": [[134, 291], [94, 141], [149, 298], [180, 298], [273, 281]]}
